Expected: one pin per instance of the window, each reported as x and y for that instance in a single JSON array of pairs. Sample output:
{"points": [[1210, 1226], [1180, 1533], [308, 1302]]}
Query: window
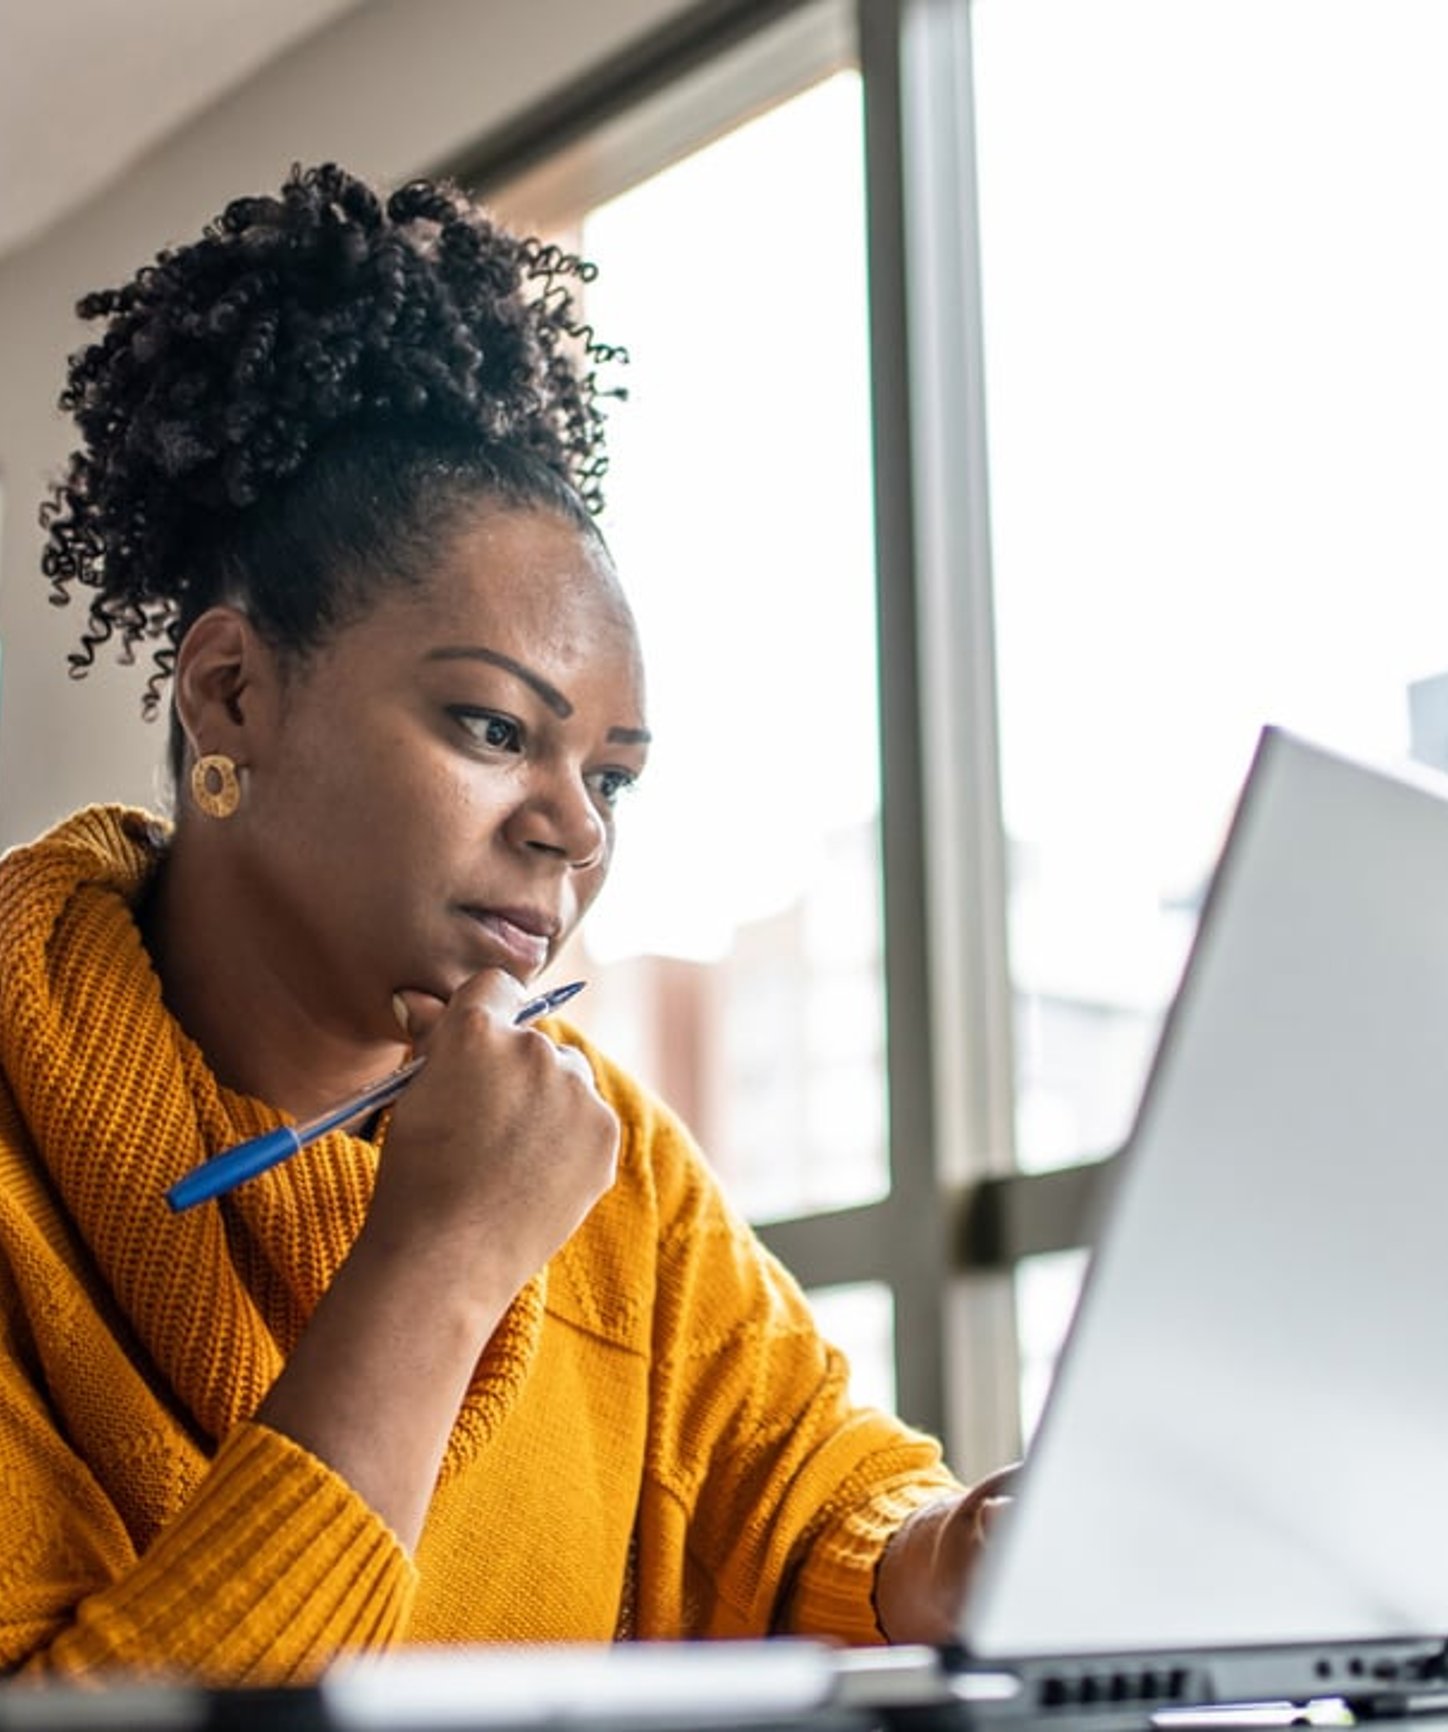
{"points": [[736, 954], [1157, 386], [752, 849], [1217, 399]]}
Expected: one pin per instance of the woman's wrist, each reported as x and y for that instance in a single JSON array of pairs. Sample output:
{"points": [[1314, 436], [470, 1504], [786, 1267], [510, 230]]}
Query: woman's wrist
{"points": [[913, 1599], [925, 1571]]}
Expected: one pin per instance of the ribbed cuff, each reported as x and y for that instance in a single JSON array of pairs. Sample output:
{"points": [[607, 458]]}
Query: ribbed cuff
{"points": [[273, 1568], [834, 1592]]}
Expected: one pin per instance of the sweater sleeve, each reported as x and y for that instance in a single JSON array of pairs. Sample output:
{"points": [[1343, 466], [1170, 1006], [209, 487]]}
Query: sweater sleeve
{"points": [[784, 1493], [271, 1566]]}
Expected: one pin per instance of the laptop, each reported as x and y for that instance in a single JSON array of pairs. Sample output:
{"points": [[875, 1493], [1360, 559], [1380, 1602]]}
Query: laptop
{"points": [[1239, 1487], [1238, 1491]]}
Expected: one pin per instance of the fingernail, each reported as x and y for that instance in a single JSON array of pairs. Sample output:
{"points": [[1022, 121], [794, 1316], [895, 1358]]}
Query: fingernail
{"points": [[401, 1012]]}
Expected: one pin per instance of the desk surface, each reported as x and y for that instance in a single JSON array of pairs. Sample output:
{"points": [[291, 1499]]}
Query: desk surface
{"points": [[771, 1686]]}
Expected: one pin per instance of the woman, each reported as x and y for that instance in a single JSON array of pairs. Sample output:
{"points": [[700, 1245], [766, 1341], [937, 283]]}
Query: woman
{"points": [[500, 1364]]}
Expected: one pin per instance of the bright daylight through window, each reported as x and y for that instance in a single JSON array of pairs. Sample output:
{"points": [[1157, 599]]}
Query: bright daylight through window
{"points": [[1217, 371], [736, 954], [741, 926]]}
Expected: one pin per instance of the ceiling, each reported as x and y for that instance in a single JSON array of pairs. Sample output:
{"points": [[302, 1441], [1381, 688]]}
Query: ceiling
{"points": [[88, 86]]}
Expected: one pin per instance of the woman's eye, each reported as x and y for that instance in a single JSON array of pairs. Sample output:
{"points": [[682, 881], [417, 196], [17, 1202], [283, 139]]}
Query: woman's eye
{"points": [[498, 733], [613, 783]]}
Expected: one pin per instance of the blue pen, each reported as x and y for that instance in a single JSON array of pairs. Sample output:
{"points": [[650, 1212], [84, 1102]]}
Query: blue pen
{"points": [[232, 1167]]}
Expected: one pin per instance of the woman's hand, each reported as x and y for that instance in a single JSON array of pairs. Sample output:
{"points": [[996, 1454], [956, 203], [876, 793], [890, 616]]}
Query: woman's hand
{"points": [[498, 1149], [496, 1153], [923, 1578]]}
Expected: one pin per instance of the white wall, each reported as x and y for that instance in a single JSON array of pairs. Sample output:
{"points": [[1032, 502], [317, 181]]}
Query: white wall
{"points": [[390, 90]]}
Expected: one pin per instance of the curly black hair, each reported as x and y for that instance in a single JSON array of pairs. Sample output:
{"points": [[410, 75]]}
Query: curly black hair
{"points": [[289, 411]]}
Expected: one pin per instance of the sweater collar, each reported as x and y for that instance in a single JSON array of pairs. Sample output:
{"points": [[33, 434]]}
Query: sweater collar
{"points": [[120, 1102]]}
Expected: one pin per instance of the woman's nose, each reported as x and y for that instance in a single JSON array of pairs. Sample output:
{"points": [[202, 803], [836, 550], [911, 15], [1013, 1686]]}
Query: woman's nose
{"points": [[560, 817]]}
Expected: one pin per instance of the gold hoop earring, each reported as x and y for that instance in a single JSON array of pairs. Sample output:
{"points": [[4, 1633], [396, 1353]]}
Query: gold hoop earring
{"points": [[214, 785]]}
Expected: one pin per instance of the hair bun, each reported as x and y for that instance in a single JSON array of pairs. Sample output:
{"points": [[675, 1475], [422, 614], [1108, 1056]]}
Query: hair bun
{"points": [[228, 362]]}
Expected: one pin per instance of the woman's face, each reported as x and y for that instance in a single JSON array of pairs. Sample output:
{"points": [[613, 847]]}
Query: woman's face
{"points": [[436, 794]]}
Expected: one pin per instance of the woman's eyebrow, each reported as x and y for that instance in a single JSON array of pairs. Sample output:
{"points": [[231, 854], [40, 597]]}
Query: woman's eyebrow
{"points": [[630, 736], [550, 694]]}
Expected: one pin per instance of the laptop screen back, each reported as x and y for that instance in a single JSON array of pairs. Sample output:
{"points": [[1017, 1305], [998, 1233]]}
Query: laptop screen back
{"points": [[1247, 1441]]}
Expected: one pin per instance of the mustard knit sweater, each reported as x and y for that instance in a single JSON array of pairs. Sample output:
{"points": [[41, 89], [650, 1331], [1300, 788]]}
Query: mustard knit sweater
{"points": [[655, 1441]]}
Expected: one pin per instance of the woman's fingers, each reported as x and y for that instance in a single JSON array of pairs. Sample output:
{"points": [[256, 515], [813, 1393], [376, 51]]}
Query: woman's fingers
{"points": [[418, 1013], [501, 1146]]}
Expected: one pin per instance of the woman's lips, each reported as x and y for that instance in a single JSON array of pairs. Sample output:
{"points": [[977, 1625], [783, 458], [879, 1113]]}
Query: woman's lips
{"points": [[518, 935]]}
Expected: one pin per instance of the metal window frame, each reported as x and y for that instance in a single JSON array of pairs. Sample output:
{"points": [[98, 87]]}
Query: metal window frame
{"points": [[952, 1062], [950, 992], [604, 102]]}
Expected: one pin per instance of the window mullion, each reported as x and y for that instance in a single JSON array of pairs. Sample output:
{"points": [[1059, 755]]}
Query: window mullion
{"points": [[931, 415]]}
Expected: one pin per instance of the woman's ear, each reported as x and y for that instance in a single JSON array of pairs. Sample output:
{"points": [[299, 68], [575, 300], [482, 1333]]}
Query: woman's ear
{"points": [[225, 684]]}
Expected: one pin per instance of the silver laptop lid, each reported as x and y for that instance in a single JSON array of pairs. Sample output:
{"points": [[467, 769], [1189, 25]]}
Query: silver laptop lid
{"points": [[1247, 1441]]}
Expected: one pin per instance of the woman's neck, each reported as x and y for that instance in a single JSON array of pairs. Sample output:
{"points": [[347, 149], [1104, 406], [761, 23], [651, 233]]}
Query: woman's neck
{"points": [[219, 983]]}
